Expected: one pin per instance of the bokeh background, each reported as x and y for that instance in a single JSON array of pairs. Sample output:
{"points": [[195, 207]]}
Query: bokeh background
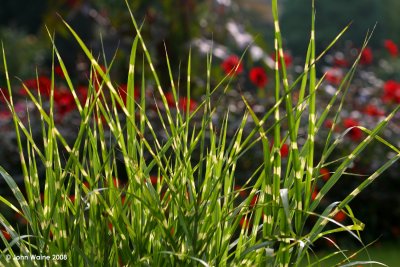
{"points": [[230, 28]]}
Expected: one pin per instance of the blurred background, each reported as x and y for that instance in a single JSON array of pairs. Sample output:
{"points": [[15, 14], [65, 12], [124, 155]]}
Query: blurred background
{"points": [[225, 28]]}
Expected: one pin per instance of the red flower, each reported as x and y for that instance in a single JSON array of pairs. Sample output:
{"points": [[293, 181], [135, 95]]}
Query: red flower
{"points": [[72, 198], [391, 91], [42, 84], [254, 200], [154, 179], [5, 115], [170, 99], [334, 75], [314, 194], [232, 65], [325, 174], [58, 70], [355, 134], [284, 150], [340, 61], [258, 77], [373, 111], [286, 57], [340, 216], [64, 101], [123, 92], [82, 94], [6, 234], [391, 47], [117, 183], [244, 223], [4, 95], [86, 184], [183, 103], [328, 123], [366, 56], [241, 191]]}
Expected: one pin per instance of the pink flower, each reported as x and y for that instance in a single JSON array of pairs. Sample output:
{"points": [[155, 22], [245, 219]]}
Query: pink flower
{"points": [[391, 47], [258, 77], [232, 65], [355, 134], [366, 56]]}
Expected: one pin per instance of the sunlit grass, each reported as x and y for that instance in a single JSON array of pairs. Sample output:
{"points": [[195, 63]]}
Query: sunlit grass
{"points": [[193, 214], [386, 253]]}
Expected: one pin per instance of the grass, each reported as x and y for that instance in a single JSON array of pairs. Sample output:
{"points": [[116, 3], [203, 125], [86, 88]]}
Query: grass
{"points": [[386, 253], [193, 214]]}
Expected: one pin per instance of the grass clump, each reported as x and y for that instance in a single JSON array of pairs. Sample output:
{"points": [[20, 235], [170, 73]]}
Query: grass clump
{"points": [[179, 204]]}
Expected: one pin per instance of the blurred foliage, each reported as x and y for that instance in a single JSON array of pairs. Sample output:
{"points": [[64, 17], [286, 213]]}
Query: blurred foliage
{"points": [[333, 16], [174, 24], [22, 14], [23, 48], [105, 26]]}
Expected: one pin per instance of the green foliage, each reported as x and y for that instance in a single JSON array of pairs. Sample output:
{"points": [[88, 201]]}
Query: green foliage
{"points": [[331, 18], [17, 43], [390, 20], [192, 214]]}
